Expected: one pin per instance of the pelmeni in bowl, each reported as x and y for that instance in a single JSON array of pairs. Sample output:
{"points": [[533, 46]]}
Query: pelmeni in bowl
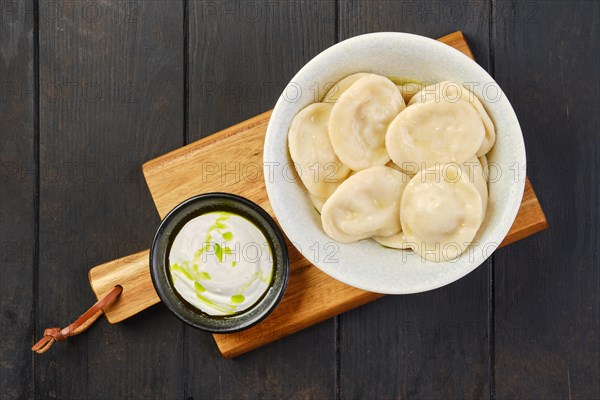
{"points": [[364, 263]]}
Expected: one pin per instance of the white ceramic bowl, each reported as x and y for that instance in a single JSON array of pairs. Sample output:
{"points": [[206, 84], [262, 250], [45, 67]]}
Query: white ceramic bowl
{"points": [[365, 264]]}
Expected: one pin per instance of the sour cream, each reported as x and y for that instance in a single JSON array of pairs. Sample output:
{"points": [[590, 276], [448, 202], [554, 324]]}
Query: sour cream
{"points": [[221, 263]]}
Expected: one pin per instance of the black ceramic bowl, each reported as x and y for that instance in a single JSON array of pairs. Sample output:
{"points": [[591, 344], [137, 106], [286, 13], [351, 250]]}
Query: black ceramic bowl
{"points": [[159, 262]]}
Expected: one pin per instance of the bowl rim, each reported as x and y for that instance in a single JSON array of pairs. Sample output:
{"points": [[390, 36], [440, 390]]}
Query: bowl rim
{"points": [[517, 190], [167, 231]]}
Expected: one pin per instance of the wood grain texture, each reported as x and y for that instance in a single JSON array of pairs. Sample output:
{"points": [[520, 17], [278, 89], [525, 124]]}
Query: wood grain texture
{"points": [[111, 81], [18, 213], [241, 56], [545, 304], [432, 345], [201, 167], [530, 218], [547, 288], [132, 273]]}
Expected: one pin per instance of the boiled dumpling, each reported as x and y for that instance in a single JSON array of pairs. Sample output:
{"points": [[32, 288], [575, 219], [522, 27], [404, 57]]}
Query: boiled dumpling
{"points": [[397, 241], [318, 167], [473, 171], [453, 91], [318, 202], [441, 212], [359, 120], [333, 95], [410, 170], [366, 204], [391, 164], [409, 89], [485, 166], [342, 150], [431, 133]]}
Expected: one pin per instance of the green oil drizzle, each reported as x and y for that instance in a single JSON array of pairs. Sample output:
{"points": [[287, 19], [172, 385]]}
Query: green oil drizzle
{"points": [[405, 81], [184, 271], [192, 270], [219, 252], [237, 298], [199, 288], [225, 310], [205, 276], [266, 279]]}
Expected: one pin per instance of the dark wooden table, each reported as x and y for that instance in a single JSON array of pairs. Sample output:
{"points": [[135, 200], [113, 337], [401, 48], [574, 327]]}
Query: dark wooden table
{"points": [[92, 89]]}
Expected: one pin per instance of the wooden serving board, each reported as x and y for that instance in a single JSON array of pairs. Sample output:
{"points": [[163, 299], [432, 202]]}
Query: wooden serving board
{"points": [[231, 161]]}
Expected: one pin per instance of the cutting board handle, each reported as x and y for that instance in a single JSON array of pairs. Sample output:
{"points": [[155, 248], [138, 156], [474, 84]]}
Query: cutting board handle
{"points": [[132, 273]]}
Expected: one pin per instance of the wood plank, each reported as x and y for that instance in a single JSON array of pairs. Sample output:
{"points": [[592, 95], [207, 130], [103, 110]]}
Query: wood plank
{"points": [[112, 97], [194, 165], [242, 55], [202, 170], [200, 166], [547, 292], [133, 275], [18, 175], [530, 218], [184, 173], [434, 344]]}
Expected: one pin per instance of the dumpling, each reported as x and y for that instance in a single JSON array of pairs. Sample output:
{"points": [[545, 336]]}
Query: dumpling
{"points": [[366, 204], [333, 95], [431, 133], [453, 91], [474, 171], [441, 212], [474, 174], [318, 202], [316, 163], [409, 89], [409, 171], [397, 241], [485, 166], [359, 121]]}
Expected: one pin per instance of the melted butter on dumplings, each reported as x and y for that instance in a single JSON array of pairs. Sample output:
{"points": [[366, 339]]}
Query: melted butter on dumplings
{"points": [[333, 95], [475, 174], [452, 91], [366, 204], [319, 168], [397, 241], [408, 90], [359, 120], [441, 213], [340, 147], [431, 133]]}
